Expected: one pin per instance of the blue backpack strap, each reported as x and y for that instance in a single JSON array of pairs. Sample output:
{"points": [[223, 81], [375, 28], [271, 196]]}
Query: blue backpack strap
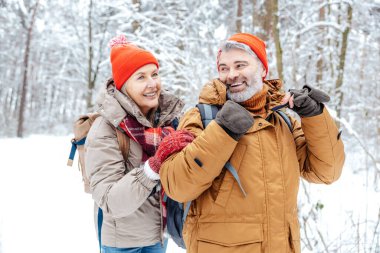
{"points": [[165, 197], [286, 119], [73, 150], [208, 113], [278, 107], [283, 115], [175, 123], [234, 173], [186, 211], [100, 223]]}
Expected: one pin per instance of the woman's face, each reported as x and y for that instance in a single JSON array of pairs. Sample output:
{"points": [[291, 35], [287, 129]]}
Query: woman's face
{"points": [[144, 87]]}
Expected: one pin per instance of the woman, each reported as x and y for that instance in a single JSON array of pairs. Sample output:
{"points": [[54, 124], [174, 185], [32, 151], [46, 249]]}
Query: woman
{"points": [[128, 209]]}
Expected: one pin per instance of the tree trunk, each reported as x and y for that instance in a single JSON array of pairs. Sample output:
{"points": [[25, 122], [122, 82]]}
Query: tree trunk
{"points": [[239, 16], [136, 24], [277, 41], [24, 87], [90, 83], [261, 16], [319, 76], [342, 58], [329, 45]]}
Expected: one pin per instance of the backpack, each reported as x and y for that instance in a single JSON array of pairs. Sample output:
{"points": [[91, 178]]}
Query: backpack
{"points": [[176, 211], [81, 128]]}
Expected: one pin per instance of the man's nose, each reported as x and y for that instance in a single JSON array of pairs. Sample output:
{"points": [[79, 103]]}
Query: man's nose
{"points": [[232, 75]]}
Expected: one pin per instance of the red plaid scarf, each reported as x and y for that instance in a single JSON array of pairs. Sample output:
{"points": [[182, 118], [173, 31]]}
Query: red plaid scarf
{"points": [[149, 138]]}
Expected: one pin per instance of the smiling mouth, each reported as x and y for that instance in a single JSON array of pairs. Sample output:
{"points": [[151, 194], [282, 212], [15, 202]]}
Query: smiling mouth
{"points": [[151, 94], [236, 87]]}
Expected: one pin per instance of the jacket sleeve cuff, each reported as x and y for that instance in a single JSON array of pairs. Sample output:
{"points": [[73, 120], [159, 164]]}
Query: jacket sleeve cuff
{"points": [[149, 172]]}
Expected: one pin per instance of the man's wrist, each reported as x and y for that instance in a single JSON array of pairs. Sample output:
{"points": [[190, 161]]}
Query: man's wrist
{"points": [[234, 136]]}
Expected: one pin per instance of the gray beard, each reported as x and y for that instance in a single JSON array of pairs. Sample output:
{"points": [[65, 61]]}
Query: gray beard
{"points": [[253, 88], [246, 94]]}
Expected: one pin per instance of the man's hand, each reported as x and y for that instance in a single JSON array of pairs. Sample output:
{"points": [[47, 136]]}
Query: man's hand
{"points": [[306, 102], [234, 119], [171, 144]]}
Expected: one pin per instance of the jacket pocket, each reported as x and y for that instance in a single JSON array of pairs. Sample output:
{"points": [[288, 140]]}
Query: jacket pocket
{"points": [[294, 237], [230, 237]]}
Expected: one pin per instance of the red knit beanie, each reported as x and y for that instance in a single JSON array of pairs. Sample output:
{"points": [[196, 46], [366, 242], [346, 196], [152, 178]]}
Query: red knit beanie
{"points": [[256, 44], [126, 58]]}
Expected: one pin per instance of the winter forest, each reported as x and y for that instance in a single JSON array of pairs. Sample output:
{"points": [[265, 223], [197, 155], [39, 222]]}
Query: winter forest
{"points": [[55, 59]]}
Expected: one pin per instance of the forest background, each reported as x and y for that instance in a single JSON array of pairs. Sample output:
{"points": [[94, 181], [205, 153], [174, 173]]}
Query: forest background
{"points": [[55, 59]]}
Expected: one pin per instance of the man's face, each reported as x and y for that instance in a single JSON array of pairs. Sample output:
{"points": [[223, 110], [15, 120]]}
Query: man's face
{"points": [[241, 73]]}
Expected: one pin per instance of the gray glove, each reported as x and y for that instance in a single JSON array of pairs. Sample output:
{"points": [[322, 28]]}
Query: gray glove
{"points": [[308, 101], [234, 119]]}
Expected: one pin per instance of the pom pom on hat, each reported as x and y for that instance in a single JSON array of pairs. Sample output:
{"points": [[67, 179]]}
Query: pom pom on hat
{"points": [[126, 58], [118, 41]]}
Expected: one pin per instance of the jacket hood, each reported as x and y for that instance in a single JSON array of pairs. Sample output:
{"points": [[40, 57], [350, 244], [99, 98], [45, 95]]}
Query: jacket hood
{"points": [[114, 106], [214, 92]]}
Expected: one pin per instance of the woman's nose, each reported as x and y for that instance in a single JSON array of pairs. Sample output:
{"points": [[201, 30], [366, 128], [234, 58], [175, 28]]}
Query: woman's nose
{"points": [[151, 83]]}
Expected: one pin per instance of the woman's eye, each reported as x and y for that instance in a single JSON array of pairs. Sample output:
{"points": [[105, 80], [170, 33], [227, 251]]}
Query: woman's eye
{"points": [[155, 75], [140, 78]]}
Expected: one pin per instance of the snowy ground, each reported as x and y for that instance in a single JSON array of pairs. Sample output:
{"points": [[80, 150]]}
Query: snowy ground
{"points": [[43, 207]]}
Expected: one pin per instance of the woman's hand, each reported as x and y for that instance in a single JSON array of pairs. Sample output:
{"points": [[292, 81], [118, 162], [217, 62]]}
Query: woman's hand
{"points": [[171, 144]]}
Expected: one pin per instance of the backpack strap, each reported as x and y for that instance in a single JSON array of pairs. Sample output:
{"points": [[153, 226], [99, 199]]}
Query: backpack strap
{"points": [[208, 113], [283, 115], [100, 223], [74, 147], [186, 211], [122, 139], [124, 143], [81, 127], [234, 173], [286, 118], [175, 123]]}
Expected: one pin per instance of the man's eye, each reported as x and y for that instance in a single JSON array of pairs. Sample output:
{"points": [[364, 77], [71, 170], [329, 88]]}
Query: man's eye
{"points": [[239, 66]]}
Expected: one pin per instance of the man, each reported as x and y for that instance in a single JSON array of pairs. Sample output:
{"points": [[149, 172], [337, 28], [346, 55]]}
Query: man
{"points": [[268, 155]]}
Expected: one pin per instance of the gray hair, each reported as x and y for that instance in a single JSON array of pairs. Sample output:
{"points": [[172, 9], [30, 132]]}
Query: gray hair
{"points": [[227, 45]]}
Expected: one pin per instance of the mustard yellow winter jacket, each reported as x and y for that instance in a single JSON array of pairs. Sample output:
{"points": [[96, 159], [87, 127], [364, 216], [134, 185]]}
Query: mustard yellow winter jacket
{"points": [[269, 158]]}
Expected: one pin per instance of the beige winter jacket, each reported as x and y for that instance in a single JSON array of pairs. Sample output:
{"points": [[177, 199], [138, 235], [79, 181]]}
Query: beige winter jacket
{"points": [[132, 218], [270, 159]]}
